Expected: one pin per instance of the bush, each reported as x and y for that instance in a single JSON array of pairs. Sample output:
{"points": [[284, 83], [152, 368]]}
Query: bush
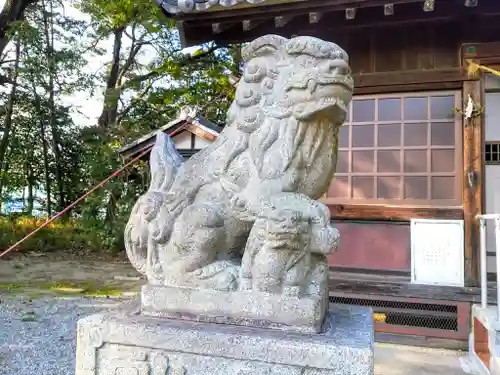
{"points": [[62, 234]]}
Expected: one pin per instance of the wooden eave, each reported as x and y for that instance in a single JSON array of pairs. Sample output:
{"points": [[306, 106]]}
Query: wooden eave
{"points": [[244, 20], [198, 126]]}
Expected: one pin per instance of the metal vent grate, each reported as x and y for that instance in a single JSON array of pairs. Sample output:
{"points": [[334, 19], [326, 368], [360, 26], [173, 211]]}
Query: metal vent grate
{"points": [[409, 314], [492, 153]]}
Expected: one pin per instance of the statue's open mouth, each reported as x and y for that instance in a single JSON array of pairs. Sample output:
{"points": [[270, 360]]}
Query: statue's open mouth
{"points": [[329, 101], [329, 96], [315, 83], [335, 80]]}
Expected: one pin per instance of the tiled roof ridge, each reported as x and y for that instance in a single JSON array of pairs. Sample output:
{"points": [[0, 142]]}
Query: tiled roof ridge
{"points": [[188, 6]]}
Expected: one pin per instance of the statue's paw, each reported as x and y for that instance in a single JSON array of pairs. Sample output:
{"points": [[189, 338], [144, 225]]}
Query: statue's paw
{"points": [[220, 275], [228, 282], [241, 209], [238, 203], [291, 290], [334, 238], [245, 284], [224, 281]]}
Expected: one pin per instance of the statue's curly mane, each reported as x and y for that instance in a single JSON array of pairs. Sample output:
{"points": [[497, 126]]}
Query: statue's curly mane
{"points": [[281, 139]]}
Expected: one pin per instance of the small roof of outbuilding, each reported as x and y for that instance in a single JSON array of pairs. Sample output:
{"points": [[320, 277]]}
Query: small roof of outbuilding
{"points": [[188, 120]]}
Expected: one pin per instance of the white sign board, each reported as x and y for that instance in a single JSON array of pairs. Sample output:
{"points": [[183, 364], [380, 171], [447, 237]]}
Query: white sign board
{"points": [[437, 252]]}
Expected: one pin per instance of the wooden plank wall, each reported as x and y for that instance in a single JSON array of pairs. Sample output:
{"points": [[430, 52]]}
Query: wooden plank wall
{"points": [[404, 58], [414, 47]]}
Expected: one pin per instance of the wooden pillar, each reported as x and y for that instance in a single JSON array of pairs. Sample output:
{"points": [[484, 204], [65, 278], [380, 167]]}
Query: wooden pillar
{"points": [[473, 179]]}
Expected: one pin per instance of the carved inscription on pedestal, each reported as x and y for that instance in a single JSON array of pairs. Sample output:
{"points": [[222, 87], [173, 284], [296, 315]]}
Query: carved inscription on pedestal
{"points": [[159, 363], [128, 360]]}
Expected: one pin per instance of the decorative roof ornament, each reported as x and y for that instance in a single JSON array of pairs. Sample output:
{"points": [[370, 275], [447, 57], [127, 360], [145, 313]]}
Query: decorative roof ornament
{"points": [[188, 112], [190, 6]]}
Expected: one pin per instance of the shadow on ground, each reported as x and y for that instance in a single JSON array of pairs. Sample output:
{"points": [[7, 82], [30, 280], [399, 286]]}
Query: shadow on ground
{"points": [[45, 274]]}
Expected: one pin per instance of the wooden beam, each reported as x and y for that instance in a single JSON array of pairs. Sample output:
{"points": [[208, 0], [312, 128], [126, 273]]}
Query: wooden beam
{"points": [[386, 212], [400, 287], [481, 50], [422, 341], [473, 180], [406, 15], [219, 27], [471, 3], [199, 31], [401, 330], [350, 13], [388, 9], [196, 130], [491, 62], [315, 17], [414, 87], [182, 33], [409, 77], [250, 24], [429, 5], [281, 21]]}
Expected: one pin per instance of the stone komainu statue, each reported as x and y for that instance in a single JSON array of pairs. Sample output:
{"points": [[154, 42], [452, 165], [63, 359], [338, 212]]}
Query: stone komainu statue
{"points": [[242, 213]]}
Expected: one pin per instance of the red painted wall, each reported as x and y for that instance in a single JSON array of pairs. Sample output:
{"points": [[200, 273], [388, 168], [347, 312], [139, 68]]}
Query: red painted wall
{"points": [[375, 246]]}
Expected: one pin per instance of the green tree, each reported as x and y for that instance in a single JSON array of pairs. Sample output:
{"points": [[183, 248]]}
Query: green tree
{"points": [[47, 65], [147, 79]]}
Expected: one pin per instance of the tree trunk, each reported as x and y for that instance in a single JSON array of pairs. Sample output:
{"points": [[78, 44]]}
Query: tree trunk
{"points": [[49, 40], [7, 123], [114, 197], [46, 167], [110, 107], [45, 150], [12, 11], [3, 182], [30, 180]]}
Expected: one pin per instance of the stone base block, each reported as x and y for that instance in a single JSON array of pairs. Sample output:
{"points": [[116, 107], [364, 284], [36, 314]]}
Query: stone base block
{"points": [[249, 308], [132, 344]]}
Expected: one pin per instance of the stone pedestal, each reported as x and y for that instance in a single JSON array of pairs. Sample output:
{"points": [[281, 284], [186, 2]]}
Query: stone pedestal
{"points": [[248, 308], [130, 343]]}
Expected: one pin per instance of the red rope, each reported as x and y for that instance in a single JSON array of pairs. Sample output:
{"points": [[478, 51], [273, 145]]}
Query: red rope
{"points": [[99, 185]]}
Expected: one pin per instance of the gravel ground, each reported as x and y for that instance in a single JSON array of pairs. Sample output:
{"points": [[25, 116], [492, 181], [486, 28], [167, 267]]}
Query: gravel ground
{"points": [[37, 337]]}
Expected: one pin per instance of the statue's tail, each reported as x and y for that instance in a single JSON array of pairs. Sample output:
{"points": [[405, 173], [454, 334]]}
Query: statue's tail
{"points": [[165, 162]]}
